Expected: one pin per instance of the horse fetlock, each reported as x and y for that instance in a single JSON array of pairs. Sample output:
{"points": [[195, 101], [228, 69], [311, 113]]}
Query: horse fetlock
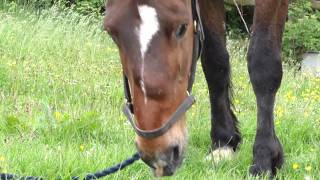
{"points": [[267, 157], [279, 158], [226, 138]]}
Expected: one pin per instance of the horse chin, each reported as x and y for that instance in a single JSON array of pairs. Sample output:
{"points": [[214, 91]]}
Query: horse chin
{"points": [[166, 162], [167, 168]]}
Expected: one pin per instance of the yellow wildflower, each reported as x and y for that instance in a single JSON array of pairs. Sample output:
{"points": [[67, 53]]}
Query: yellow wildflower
{"points": [[279, 111], [2, 158], [295, 166], [81, 147], [308, 168], [236, 101], [290, 96], [58, 116]]}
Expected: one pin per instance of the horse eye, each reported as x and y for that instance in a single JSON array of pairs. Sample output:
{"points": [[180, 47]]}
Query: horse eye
{"points": [[181, 31]]}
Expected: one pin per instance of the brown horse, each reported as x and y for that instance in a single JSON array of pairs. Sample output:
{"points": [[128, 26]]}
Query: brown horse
{"points": [[156, 41]]}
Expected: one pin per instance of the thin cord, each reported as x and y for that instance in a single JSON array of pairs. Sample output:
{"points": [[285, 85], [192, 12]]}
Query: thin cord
{"points": [[241, 16]]}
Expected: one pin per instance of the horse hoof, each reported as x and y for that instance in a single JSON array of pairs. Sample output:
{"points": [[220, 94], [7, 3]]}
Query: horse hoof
{"points": [[220, 154], [256, 170]]}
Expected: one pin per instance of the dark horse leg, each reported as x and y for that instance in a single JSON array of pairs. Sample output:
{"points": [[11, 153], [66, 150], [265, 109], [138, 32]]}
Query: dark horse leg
{"points": [[216, 67], [265, 69]]}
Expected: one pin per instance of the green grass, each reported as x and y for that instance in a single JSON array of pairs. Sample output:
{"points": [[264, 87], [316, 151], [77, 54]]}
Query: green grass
{"points": [[61, 97]]}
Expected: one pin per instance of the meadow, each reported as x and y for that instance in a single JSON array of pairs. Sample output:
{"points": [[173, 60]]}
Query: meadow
{"points": [[61, 96]]}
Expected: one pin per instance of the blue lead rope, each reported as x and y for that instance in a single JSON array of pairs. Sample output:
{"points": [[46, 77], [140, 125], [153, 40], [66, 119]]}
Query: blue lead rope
{"points": [[96, 175]]}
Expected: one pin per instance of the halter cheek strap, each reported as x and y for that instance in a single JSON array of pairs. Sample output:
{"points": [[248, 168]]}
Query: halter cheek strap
{"points": [[189, 100], [197, 42]]}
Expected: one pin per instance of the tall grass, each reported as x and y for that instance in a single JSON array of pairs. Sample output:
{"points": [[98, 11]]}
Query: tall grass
{"points": [[61, 96]]}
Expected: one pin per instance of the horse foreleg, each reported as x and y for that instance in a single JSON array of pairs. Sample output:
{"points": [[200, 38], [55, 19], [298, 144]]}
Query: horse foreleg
{"points": [[265, 69], [215, 63]]}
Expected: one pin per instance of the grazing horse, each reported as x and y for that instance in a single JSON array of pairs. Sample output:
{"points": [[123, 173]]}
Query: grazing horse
{"points": [[157, 41]]}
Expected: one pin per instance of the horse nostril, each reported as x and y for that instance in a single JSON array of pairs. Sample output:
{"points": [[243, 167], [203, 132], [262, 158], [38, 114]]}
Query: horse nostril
{"points": [[176, 153]]}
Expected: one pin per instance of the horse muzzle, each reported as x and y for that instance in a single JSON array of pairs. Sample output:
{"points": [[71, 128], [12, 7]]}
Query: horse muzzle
{"points": [[165, 163]]}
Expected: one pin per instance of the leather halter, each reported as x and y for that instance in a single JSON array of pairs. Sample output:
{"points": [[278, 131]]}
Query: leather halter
{"points": [[189, 100]]}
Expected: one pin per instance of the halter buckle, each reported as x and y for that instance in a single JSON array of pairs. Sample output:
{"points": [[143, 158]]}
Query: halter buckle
{"points": [[195, 26]]}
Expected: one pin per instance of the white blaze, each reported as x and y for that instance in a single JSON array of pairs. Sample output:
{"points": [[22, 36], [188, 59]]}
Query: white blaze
{"points": [[147, 29], [144, 91]]}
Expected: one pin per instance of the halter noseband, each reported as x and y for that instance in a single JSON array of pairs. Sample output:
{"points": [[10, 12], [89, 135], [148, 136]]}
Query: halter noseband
{"points": [[189, 101]]}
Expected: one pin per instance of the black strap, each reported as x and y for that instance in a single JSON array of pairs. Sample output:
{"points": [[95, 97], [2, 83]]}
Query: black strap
{"points": [[197, 17], [187, 103], [195, 57], [197, 42], [127, 93]]}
